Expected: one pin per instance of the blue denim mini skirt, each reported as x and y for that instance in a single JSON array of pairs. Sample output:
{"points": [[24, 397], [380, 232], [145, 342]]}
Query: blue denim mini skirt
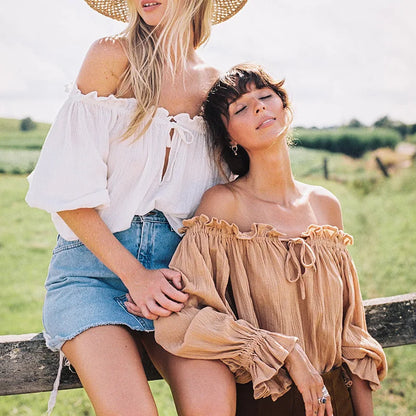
{"points": [[82, 293]]}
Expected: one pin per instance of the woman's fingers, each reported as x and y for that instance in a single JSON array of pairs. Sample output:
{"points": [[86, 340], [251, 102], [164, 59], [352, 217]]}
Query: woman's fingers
{"points": [[173, 293], [133, 308], [328, 407], [156, 309], [173, 277], [175, 282], [143, 311], [168, 304], [148, 314]]}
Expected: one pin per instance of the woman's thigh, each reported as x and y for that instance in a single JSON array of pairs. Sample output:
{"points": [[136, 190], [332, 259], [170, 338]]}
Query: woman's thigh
{"points": [[199, 387], [108, 363]]}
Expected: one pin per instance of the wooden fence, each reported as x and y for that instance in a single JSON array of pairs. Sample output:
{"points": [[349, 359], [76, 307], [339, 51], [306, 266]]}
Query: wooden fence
{"points": [[27, 366]]}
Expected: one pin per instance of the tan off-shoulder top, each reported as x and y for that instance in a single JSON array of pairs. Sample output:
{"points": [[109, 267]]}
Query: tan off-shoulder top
{"points": [[254, 294]]}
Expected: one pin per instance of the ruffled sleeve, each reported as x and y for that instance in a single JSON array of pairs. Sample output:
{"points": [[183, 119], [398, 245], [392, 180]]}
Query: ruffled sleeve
{"points": [[360, 351], [71, 171], [208, 329]]}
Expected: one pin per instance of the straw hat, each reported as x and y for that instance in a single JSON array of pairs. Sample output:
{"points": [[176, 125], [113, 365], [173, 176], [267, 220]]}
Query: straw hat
{"points": [[118, 10]]}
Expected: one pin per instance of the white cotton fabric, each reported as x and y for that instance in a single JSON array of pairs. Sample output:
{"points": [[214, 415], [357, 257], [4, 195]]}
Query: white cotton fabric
{"points": [[85, 164]]}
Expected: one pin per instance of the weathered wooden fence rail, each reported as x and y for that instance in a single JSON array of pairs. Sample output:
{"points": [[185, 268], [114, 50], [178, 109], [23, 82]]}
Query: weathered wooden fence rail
{"points": [[27, 366]]}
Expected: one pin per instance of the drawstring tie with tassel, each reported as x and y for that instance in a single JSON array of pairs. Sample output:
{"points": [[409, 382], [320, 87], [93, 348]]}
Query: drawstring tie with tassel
{"points": [[306, 259]]}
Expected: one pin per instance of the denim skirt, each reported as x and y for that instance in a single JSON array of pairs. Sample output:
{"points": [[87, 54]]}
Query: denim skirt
{"points": [[82, 293]]}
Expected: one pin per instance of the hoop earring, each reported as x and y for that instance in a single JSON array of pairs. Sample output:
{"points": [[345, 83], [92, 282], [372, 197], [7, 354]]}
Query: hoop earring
{"points": [[234, 148]]}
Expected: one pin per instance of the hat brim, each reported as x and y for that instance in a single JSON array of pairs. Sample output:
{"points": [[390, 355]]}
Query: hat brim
{"points": [[118, 9]]}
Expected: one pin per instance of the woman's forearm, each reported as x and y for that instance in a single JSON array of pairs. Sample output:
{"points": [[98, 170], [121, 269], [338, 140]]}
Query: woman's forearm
{"points": [[361, 395], [93, 232]]}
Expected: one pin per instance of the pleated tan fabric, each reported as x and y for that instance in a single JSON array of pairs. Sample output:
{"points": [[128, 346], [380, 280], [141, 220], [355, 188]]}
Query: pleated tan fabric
{"points": [[254, 294]]}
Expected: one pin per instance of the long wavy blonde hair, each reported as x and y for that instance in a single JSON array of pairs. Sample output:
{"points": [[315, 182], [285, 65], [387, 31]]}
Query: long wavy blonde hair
{"points": [[153, 50]]}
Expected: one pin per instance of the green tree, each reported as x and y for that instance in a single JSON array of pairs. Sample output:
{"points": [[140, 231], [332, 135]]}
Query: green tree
{"points": [[355, 124], [27, 124], [384, 122]]}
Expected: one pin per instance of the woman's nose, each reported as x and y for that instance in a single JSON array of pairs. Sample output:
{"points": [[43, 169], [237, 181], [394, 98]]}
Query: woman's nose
{"points": [[259, 106]]}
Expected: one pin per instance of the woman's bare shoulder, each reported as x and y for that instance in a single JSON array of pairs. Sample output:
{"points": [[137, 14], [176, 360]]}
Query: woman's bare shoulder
{"points": [[218, 202], [326, 204], [105, 62]]}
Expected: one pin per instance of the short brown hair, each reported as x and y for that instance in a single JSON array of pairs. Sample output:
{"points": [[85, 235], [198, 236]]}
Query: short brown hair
{"points": [[228, 88]]}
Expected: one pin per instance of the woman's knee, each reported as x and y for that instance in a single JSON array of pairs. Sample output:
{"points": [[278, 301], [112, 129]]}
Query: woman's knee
{"points": [[109, 366], [203, 388]]}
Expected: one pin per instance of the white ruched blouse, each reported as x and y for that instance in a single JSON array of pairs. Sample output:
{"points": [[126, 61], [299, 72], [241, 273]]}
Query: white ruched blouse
{"points": [[84, 163]]}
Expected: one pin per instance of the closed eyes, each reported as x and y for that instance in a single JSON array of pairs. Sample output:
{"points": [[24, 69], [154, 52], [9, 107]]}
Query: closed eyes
{"points": [[264, 97]]}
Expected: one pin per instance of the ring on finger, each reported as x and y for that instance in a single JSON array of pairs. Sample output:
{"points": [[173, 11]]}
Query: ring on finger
{"points": [[325, 394]]}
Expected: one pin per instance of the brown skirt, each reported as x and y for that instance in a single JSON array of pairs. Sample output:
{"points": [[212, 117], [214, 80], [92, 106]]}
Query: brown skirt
{"points": [[291, 403]]}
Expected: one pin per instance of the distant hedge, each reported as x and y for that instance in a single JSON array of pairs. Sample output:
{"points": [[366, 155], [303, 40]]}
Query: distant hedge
{"points": [[353, 142]]}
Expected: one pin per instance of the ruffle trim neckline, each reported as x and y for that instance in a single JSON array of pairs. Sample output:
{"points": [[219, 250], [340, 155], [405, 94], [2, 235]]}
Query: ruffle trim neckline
{"points": [[128, 103], [314, 232]]}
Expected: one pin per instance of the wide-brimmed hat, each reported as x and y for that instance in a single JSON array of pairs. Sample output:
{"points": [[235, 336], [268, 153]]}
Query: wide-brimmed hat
{"points": [[118, 9]]}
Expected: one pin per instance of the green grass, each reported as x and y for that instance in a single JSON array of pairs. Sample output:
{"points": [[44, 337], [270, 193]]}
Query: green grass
{"points": [[75, 403], [379, 213], [12, 137], [19, 150]]}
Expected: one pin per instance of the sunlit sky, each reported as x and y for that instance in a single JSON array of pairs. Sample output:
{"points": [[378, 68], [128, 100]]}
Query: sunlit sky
{"points": [[341, 59]]}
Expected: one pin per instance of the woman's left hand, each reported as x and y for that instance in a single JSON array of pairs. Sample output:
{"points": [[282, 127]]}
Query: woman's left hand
{"points": [[309, 383]]}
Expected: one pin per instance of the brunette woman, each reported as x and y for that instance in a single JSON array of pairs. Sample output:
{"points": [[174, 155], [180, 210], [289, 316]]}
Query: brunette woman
{"points": [[273, 292]]}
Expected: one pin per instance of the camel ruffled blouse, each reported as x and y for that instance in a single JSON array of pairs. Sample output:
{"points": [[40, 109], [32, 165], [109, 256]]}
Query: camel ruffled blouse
{"points": [[254, 294]]}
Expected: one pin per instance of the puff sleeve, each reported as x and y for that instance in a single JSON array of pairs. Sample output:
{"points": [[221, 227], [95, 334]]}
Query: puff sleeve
{"points": [[360, 351], [71, 171], [207, 328]]}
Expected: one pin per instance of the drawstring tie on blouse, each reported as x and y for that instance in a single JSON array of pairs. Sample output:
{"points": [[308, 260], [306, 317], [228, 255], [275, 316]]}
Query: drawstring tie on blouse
{"points": [[185, 135], [306, 259]]}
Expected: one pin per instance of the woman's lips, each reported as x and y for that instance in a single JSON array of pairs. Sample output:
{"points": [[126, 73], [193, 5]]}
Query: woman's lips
{"points": [[266, 122]]}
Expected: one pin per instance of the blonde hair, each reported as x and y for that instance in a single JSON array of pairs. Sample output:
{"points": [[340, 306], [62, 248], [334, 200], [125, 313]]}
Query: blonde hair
{"points": [[150, 50]]}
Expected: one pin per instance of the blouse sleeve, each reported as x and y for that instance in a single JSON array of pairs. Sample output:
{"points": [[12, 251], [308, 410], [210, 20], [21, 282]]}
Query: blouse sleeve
{"points": [[363, 355], [71, 171], [206, 328]]}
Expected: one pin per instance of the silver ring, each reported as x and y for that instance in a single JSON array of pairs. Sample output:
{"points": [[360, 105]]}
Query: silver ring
{"points": [[325, 394]]}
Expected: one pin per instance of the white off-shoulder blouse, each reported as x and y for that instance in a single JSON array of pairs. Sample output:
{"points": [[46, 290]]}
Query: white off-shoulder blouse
{"points": [[254, 295], [85, 164]]}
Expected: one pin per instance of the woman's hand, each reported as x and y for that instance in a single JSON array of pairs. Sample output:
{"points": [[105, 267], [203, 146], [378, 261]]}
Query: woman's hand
{"points": [[156, 293], [309, 383]]}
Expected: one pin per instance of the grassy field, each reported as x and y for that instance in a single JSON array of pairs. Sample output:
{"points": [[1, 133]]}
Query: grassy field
{"points": [[378, 212]]}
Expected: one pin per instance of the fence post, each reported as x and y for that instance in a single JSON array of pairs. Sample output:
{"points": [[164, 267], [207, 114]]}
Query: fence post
{"points": [[382, 167], [326, 174]]}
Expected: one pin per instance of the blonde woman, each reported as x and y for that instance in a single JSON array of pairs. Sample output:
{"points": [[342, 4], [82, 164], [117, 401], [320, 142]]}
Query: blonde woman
{"points": [[124, 163], [273, 291]]}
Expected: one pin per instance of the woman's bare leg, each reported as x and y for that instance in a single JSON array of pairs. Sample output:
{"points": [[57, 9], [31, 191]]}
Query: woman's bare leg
{"points": [[108, 363], [199, 387]]}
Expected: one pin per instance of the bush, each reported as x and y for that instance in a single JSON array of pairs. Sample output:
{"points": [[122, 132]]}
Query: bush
{"points": [[27, 124], [353, 142]]}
